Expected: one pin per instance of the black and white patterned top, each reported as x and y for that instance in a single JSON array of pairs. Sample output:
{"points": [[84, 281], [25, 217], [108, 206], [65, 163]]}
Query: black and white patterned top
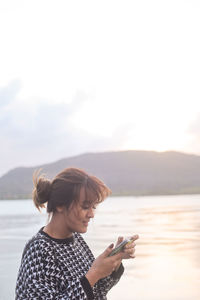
{"points": [[55, 269]]}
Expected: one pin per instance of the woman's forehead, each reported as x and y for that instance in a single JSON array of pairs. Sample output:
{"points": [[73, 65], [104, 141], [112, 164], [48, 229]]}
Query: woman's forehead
{"points": [[86, 195]]}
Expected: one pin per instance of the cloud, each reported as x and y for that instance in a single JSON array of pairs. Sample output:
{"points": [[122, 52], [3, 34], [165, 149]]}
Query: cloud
{"points": [[9, 93], [42, 132], [36, 132], [194, 127], [193, 131]]}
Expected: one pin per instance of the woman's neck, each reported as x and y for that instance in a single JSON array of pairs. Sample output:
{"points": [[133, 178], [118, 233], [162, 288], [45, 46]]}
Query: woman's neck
{"points": [[56, 230]]}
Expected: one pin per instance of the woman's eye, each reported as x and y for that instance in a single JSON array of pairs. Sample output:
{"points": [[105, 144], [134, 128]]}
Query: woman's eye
{"points": [[88, 207], [85, 207]]}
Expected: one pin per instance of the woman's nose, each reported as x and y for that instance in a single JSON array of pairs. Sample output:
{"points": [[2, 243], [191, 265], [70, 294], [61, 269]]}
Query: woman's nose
{"points": [[91, 213]]}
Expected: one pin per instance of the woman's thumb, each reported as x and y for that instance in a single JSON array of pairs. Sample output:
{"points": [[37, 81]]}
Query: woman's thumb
{"points": [[108, 250]]}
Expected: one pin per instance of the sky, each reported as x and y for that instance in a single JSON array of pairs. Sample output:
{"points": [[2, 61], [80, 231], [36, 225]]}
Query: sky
{"points": [[93, 76]]}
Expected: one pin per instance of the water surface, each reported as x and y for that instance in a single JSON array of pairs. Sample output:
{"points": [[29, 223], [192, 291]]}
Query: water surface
{"points": [[167, 264]]}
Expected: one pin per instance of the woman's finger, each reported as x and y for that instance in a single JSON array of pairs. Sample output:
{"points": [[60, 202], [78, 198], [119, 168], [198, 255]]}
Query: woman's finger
{"points": [[134, 237], [129, 251], [130, 245], [119, 240]]}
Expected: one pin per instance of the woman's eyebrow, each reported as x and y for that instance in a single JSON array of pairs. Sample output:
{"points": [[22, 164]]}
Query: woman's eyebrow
{"points": [[86, 202], [89, 203]]}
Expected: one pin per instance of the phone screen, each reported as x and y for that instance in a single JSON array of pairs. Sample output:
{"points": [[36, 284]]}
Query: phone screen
{"points": [[120, 247]]}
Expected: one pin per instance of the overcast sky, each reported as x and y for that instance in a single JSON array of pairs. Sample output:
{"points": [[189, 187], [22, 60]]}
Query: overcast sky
{"points": [[85, 76]]}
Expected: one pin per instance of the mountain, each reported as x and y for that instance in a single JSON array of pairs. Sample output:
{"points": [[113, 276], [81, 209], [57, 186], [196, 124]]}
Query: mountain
{"points": [[125, 172]]}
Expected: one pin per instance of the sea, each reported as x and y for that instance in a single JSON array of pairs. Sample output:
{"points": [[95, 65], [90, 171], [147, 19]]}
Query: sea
{"points": [[167, 262]]}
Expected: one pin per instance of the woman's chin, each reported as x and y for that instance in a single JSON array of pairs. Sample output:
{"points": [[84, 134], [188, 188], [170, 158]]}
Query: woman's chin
{"points": [[83, 229]]}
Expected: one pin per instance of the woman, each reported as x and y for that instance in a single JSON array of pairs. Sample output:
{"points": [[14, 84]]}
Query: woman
{"points": [[57, 263]]}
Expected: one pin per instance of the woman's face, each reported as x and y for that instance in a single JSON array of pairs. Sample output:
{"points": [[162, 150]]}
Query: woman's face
{"points": [[77, 217]]}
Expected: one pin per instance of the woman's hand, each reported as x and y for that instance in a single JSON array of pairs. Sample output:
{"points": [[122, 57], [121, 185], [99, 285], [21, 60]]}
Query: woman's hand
{"points": [[129, 249], [103, 265]]}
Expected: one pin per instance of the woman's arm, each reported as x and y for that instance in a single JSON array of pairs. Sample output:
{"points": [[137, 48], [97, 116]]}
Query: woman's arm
{"points": [[108, 282], [41, 278]]}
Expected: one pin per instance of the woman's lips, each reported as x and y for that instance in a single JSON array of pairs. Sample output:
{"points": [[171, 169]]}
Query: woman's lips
{"points": [[86, 223]]}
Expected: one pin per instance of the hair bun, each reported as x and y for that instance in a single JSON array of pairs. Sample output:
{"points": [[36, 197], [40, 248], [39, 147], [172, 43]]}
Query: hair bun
{"points": [[41, 191]]}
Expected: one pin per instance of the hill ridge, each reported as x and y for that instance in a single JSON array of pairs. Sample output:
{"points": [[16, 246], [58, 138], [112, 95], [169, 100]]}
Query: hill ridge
{"points": [[126, 172]]}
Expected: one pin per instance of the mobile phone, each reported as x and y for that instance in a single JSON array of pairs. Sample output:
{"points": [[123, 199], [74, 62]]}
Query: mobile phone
{"points": [[120, 247]]}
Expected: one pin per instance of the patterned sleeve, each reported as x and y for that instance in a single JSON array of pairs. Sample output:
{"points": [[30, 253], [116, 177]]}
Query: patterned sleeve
{"points": [[105, 284], [40, 278]]}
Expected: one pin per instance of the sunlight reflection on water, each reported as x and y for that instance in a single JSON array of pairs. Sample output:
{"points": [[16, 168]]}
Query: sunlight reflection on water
{"points": [[166, 266]]}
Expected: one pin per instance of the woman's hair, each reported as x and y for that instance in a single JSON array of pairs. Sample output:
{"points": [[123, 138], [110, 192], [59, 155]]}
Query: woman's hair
{"points": [[64, 189]]}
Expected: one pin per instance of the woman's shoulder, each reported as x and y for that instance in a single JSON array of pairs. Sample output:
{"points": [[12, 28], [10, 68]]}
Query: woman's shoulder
{"points": [[78, 237], [37, 245], [81, 241]]}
